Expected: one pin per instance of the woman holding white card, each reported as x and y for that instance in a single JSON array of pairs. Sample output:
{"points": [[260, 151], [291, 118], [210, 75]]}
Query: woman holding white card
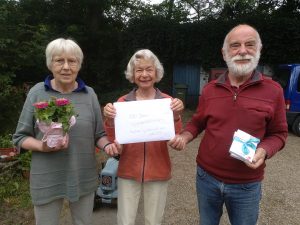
{"points": [[143, 166]]}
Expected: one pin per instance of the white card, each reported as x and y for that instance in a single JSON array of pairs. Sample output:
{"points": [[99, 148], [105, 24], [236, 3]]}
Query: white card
{"points": [[143, 121]]}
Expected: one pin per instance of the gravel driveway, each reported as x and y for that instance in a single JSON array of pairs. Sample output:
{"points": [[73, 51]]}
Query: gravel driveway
{"points": [[280, 203]]}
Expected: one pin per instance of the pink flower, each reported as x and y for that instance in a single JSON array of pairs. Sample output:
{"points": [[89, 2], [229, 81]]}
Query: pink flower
{"points": [[55, 110], [62, 101], [41, 105]]}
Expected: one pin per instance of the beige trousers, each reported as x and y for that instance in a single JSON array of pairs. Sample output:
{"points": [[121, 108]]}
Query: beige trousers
{"points": [[129, 192], [81, 211]]}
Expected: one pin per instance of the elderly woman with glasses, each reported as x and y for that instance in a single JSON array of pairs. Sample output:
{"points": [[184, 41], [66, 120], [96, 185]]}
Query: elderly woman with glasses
{"points": [[68, 170], [146, 166]]}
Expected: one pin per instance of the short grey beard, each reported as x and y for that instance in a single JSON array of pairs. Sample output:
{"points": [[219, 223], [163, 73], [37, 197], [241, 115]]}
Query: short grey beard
{"points": [[242, 70]]}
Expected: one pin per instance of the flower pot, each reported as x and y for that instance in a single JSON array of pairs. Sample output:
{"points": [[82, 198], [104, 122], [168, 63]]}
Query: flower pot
{"points": [[7, 154]]}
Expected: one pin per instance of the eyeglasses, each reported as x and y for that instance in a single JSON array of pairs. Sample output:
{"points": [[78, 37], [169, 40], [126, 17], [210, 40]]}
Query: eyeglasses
{"points": [[61, 62]]}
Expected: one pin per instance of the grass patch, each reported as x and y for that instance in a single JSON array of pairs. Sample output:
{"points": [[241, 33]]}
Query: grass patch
{"points": [[15, 201], [15, 192]]}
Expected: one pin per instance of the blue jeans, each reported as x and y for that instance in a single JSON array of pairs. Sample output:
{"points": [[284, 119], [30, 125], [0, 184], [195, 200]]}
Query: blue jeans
{"points": [[241, 200]]}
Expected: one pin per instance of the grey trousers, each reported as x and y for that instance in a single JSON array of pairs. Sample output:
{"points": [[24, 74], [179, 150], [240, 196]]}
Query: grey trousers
{"points": [[81, 211]]}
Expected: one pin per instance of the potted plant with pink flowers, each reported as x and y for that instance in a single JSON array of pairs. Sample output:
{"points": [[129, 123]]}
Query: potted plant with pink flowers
{"points": [[54, 118], [7, 149]]}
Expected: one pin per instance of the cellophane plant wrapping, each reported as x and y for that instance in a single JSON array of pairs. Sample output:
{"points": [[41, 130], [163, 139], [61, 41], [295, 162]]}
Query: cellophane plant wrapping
{"points": [[54, 119]]}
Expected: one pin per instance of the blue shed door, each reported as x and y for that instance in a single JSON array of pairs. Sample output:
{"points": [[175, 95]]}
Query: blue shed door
{"points": [[189, 75]]}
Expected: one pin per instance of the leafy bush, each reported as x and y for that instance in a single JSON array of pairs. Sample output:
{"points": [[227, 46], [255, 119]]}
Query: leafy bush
{"points": [[25, 160], [14, 189], [11, 102], [6, 141], [112, 96]]}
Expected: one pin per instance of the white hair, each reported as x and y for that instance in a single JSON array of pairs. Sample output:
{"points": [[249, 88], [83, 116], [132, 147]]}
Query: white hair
{"points": [[60, 46], [226, 44], [145, 54]]}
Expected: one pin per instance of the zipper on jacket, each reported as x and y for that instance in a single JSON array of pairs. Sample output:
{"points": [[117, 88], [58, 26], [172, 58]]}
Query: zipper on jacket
{"points": [[234, 96], [229, 89], [144, 162]]}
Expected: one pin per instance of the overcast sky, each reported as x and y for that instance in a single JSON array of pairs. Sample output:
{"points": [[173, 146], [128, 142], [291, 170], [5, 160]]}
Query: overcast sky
{"points": [[153, 1]]}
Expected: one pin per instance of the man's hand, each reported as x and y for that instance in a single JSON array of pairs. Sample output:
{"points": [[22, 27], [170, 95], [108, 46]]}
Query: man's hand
{"points": [[180, 140], [258, 159]]}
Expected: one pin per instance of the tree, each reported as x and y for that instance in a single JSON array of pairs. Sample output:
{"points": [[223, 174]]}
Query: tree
{"points": [[109, 32], [202, 9]]}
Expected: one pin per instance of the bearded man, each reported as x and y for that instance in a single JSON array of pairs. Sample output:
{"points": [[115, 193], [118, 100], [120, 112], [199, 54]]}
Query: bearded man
{"points": [[240, 99]]}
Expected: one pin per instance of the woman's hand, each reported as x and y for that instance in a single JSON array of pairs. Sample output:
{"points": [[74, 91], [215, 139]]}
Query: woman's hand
{"points": [[113, 149], [60, 145], [178, 142], [177, 108], [109, 112]]}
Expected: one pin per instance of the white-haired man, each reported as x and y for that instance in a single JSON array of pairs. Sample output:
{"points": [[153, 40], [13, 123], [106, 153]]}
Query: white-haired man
{"points": [[239, 99]]}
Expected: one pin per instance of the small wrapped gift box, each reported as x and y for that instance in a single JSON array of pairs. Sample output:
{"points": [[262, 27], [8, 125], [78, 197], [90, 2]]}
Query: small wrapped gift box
{"points": [[243, 146]]}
